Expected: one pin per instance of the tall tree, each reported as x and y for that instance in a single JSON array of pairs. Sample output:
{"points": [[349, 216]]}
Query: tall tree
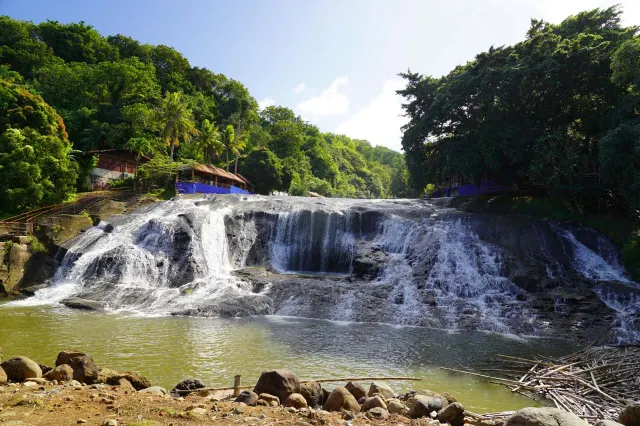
{"points": [[209, 141], [228, 139], [176, 120]]}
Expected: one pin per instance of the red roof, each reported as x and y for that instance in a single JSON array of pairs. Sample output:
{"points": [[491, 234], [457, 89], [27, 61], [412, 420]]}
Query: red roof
{"points": [[216, 171]]}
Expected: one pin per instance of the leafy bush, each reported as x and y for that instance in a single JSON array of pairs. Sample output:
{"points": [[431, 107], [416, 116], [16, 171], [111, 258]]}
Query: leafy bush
{"points": [[122, 183]]}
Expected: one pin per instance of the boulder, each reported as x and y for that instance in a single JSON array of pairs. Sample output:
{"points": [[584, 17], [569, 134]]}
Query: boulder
{"points": [[112, 377], [3, 377], [341, 399], [422, 405], [45, 369], [187, 385], [382, 389], [155, 390], [126, 385], [262, 403], [247, 397], [395, 406], [83, 304], [543, 417], [373, 402], [630, 416], [357, 390], [452, 414], [268, 398], [312, 393], [280, 383], [62, 373], [378, 413], [19, 368], [295, 400], [84, 369]]}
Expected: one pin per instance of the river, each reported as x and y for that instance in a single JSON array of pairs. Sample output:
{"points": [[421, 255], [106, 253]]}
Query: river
{"points": [[170, 349]]}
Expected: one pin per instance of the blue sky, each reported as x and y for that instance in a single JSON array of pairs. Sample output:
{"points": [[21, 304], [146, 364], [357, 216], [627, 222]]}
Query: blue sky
{"points": [[335, 62]]}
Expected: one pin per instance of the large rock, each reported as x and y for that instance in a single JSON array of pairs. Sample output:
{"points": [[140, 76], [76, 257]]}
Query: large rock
{"points": [[247, 397], [630, 416], [373, 402], [187, 385], [84, 369], [357, 390], [62, 373], [543, 417], [3, 377], [20, 368], [422, 405], [271, 400], [341, 399], [112, 377], [396, 406], [83, 304], [378, 413], [312, 392], [295, 400], [155, 390], [280, 383], [382, 389], [452, 414]]}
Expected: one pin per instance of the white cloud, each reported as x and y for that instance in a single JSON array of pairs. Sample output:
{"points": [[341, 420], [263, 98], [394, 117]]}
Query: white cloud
{"points": [[302, 87], [380, 121], [332, 101], [266, 102]]}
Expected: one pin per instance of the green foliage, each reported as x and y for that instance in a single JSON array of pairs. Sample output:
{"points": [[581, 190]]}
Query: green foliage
{"points": [[122, 183], [35, 246], [429, 190], [160, 172], [542, 112], [6, 254], [176, 120], [263, 169]]}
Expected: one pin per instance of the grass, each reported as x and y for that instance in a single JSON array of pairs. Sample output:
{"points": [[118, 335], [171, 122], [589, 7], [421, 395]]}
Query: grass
{"points": [[35, 246]]}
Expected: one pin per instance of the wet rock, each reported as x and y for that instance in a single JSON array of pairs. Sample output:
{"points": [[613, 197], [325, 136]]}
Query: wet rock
{"points": [[373, 402], [452, 414], [20, 368], [543, 417], [382, 389], [155, 390], [295, 400], [280, 383], [62, 373], [312, 393], [394, 406], [341, 399], [187, 385], [84, 369], [378, 413], [268, 398], [607, 423], [83, 304], [357, 390], [630, 416], [247, 397], [422, 405]]}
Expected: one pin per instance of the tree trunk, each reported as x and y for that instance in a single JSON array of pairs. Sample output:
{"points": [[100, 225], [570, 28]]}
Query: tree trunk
{"points": [[172, 148], [236, 169], [227, 160]]}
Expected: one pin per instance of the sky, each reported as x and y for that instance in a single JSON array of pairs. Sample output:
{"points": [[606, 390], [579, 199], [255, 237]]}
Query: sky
{"points": [[334, 62]]}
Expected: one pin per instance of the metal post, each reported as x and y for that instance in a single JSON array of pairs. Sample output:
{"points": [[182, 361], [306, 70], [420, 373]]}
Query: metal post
{"points": [[236, 385]]}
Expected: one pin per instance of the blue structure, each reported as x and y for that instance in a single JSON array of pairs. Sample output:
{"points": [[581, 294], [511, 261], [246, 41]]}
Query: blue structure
{"points": [[203, 188], [486, 187]]}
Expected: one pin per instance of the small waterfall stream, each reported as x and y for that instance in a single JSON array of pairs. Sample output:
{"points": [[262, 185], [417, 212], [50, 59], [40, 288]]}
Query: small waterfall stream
{"points": [[402, 262]]}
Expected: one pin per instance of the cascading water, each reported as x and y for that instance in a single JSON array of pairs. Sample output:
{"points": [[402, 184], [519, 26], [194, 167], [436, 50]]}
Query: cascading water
{"points": [[404, 262]]}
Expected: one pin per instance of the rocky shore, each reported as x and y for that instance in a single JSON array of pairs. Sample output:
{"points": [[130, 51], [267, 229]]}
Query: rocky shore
{"points": [[77, 391]]}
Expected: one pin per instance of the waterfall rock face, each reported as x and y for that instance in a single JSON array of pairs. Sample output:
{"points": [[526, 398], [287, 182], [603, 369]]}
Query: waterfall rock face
{"points": [[406, 262]]}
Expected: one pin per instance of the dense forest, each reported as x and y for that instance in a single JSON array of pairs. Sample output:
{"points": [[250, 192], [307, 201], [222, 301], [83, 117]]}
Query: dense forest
{"points": [[65, 89], [559, 111]]}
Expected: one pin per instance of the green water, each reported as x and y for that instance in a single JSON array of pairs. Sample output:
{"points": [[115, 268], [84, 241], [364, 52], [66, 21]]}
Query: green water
{"points": [[170, 349]]}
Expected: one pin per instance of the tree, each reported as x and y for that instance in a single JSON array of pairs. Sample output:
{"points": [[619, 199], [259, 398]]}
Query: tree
{"points": [[141, 146], [263, 168], [228, 139], [209, 141], [176, 120]]}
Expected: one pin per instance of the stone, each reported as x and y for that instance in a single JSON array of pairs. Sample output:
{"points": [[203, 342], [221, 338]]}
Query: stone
{"points": [[312, 393], [188, 385], [155, 390], [199, 411], [382, 389], [395, 406], [268, 398], [38, 380], [81, 421], [84, 304], [3, 377], [262, 403], [247, 397], [30, 384], [607, 423], [543, 417], [84, 369], [295, 400], [112, 377], [126, 385], [62, 373], [452, 414], [44, 368], [422, 405], [630, 415], [280, 383], [109, 422], [357, 390], [341, 399], [19, 368], [373, 402], [378, 413], [239, 409]]}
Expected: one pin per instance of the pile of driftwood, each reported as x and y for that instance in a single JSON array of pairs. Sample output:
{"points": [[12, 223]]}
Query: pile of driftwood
{"points": [[594, 383]]}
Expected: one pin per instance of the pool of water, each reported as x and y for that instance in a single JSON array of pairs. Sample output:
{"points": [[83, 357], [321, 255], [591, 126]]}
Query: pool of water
{"points": [[170, 349]]}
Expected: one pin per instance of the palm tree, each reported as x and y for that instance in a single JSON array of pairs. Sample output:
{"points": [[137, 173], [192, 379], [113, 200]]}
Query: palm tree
{"points": [[239, 144], [228, 138], [96, 136], [209, 141], [176, 120], [141, 146]]}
